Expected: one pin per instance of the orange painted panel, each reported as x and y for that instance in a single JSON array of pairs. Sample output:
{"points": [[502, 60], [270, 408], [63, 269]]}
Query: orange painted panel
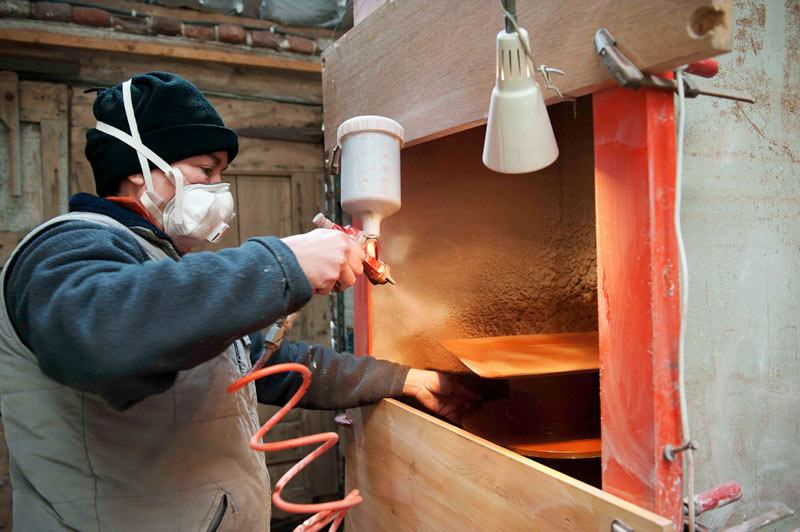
{"points": [[638, 303]]}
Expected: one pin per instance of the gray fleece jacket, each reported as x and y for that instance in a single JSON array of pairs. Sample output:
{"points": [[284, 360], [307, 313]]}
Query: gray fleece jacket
{"points": [[100, 317]]}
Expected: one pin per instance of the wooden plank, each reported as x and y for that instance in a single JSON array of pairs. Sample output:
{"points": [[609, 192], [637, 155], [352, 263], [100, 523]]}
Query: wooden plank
{"points": [[8, 241], [416, 472], [260, 157], [638, 287], [264, 206], [38, 101], [308, 199], [271, 120], [55, 161], [89, 67], [105, 40], [28, 210], [436, 81], [9, 114], [525, 355], [81, 177], [250, 118]]}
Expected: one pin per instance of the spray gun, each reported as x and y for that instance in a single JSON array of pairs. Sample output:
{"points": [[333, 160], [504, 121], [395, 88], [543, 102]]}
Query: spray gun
{"points": [[369, 166], [375, 269]]}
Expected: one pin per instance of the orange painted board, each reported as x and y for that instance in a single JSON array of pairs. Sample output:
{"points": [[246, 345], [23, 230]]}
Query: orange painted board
{"points": [[492, 423], [639, 295], [508, 357]]}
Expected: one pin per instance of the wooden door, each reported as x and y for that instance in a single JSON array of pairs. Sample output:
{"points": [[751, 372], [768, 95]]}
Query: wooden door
{"points": [[33, 157]]}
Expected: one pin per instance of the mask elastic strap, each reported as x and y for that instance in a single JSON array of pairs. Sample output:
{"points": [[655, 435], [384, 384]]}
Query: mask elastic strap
{"points": [[127, 101], [150, 199]]}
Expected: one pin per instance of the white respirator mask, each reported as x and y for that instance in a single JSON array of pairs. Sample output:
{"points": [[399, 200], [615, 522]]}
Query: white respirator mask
{"points": [[197, 212]]}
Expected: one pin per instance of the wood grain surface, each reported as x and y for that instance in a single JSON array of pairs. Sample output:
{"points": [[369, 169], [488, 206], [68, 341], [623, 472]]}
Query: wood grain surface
{"points": [[416, 472], [107, 40], [525, 355], [430, 65]]}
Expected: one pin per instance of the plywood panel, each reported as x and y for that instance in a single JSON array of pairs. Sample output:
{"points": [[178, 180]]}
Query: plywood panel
{"points": [[435, 81], [416, 472], [507, 357]]}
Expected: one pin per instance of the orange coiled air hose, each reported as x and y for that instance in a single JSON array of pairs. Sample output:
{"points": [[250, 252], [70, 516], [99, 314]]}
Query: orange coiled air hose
{"points": [[327, 511]]}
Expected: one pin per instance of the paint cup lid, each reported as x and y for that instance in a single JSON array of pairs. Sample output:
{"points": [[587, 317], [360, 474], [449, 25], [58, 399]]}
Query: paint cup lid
{"points": [[359, 124]]}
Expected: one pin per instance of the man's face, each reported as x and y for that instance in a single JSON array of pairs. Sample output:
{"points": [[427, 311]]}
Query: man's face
{"points": [[203, 169]]}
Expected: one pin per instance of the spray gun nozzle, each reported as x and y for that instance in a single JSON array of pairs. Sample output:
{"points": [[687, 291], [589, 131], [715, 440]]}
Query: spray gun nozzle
{"points": [[375, 269]]}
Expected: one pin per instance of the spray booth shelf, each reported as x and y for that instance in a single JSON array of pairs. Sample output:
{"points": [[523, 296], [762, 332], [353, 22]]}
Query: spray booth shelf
{"points": [[511, 357]]}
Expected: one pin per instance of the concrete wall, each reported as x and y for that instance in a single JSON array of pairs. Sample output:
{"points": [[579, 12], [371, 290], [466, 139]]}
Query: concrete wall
{"points": [[741, 219]]}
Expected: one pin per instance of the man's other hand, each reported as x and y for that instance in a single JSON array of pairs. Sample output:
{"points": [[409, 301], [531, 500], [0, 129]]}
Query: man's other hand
{"points": [[441, 393], [328, 258]]}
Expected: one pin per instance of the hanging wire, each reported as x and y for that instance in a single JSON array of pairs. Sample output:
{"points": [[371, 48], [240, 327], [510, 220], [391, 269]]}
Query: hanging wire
{"points": [[545, 71], [684, 301]]}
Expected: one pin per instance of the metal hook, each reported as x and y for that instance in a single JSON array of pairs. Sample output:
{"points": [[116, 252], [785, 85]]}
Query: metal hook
{"points": [[545, 71]]}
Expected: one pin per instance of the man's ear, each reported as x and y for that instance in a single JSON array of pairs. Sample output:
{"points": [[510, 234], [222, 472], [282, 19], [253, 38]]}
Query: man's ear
{"points": [[136, 179]]}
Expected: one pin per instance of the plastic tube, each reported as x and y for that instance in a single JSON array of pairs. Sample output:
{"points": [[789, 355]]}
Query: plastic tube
{"points": [[326, 512]]}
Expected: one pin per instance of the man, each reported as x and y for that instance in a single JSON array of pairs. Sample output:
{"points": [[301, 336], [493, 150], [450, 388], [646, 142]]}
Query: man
{"points": [[116, 348]]}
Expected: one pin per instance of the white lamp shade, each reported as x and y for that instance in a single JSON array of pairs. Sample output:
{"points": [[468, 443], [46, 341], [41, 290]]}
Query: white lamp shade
{"points": [[519, 137]]}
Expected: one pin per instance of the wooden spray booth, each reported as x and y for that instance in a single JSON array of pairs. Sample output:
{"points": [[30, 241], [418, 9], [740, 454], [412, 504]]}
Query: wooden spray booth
{"points": [[557, 291]]}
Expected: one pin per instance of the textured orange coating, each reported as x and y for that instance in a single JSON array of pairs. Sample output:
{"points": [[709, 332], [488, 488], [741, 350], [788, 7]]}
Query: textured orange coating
{"points": [[476, 253]]}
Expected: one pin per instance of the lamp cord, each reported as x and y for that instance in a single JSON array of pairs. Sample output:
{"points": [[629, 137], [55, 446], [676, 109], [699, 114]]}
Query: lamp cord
{"points": [[684, 299]]}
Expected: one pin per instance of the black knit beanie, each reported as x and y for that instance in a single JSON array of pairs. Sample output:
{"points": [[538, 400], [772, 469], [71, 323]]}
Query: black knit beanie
{"points": [[174, 119]]}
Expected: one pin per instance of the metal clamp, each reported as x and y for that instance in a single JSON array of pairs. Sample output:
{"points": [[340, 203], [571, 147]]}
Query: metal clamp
{"points": [[619, 526], [630, 77]]}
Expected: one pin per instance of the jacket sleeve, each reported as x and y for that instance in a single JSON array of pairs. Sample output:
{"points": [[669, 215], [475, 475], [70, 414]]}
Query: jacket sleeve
{"points": [[102, 318], [338, 380]]}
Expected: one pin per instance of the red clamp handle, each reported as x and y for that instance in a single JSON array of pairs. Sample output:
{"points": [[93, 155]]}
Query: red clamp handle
{"points": [[707, 68]]}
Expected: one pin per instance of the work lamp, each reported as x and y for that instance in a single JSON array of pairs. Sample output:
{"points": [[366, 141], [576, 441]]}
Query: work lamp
{"points": [[519, 137]]}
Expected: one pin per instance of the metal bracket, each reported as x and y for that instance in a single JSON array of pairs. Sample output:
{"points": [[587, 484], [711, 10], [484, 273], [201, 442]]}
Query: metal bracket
{"points": [[629, 76], [619, 526], [334, 161], [670, 452]]}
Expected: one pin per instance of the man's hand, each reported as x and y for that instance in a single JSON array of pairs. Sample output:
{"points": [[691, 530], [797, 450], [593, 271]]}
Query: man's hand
{"points": [[328, 258], [441, 393]]}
